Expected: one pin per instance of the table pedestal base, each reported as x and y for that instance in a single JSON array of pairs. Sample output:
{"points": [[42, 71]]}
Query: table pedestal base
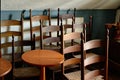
{"points": [[42, 74]]}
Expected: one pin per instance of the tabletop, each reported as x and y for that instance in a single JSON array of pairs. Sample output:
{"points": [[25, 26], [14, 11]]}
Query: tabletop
{"points": [[43, 57], [5, 67]]}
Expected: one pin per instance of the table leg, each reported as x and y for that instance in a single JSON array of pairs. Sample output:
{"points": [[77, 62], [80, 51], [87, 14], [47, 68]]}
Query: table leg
{"points": [[42, 73]]}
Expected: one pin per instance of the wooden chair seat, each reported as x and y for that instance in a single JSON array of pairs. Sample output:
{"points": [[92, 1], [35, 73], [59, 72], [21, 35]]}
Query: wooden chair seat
{"points": [[55, 68], [87, 55], [98, 78], [69, 43], [52, 47], [95, 73], [7, 57], [75, 75], [26, 72], [58, 68]]}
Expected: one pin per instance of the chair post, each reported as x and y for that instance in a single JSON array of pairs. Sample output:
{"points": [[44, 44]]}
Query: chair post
{"points": [[30, 11], [107, 52], [82, 57]]}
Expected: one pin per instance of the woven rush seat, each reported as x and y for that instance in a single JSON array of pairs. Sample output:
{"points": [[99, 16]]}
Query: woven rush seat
{"points": [[23, 72]]}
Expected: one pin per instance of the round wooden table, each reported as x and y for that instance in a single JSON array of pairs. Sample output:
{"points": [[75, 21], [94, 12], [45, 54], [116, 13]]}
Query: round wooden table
{"points": [[5, 67], [43, 58]]}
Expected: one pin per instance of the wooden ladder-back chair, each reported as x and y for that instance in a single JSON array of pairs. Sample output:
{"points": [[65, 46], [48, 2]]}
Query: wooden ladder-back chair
{"points": [[9, 28], [50, 42], [43, 20], [22, 71], [87, 59], [75, 36], [67, 20], [65, 17], [71, 64]]}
